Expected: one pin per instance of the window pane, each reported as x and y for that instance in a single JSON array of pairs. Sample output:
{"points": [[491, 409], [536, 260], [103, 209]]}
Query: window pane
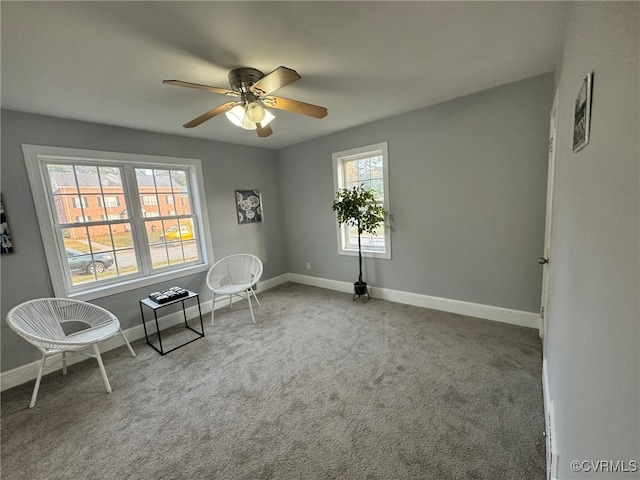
{"points": [[147, 190], [110, 178], [87, 178], [176, 244], [76, 238], [154, 230], [100, 238], [157, 247], [352, 237], [181, 192], [378, 186], [187, 252], [166, 193], [377, 167], [113, 200], [126, 262], [364, 169], [67, 204], [160, 257], [104, 249], [368, 172], [99, 252], [163, 192], [351, 172], [184, 204], [149, 204], [91, 205], [85, 265]]}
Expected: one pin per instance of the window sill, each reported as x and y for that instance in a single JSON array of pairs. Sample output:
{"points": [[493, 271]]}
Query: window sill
{"points": [[366, 253]]}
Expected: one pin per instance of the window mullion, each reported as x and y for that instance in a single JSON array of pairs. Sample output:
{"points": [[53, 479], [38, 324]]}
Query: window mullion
{"points": [[132, 199]]}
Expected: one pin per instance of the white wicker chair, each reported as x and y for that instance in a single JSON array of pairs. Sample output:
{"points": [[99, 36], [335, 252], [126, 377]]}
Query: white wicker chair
{"points": [[40, 322], [235, 275]]}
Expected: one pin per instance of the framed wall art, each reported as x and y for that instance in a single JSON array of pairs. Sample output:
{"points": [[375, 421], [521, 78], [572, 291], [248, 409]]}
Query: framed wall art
{"points": [[582, 115], [6, 246], [249, 206]]}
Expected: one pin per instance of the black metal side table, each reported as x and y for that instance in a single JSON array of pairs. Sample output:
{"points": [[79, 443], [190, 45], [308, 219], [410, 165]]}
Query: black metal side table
{"points": [[155, 306]]}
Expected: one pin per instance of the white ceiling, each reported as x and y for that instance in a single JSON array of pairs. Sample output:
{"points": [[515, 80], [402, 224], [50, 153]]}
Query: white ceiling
{"points": [[104, 62]]}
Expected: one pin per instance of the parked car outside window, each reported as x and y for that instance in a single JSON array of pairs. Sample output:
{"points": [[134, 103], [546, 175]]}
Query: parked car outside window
{"points": [[83, 263], [174, 234]]}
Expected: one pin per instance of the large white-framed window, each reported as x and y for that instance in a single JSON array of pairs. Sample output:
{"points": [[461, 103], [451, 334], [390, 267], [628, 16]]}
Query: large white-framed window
{"points": [[367, 166], [105, 225]]}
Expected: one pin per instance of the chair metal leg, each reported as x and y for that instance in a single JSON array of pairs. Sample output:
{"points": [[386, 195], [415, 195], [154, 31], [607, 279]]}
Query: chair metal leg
{"points": [[102, 370], [133, 354], [64, 363], [37, 385], [251, 307], [213, 307], [254, 296]]}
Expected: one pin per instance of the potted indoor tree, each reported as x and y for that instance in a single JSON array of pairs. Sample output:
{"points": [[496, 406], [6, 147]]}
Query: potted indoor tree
{"points": [[357, 207]]}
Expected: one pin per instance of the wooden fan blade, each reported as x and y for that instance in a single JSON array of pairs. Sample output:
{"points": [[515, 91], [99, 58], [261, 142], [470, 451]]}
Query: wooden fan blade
{"points": [[296, 106], [263, 131], [271, 82], [225, 107], [180, 83]]}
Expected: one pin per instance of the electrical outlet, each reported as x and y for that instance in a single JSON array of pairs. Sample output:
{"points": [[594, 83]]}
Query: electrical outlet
{"points": [[308, 266]]}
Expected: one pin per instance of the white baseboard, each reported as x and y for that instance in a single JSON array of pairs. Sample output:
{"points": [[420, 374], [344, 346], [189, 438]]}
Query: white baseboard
{"points": [[487, 312], [28, 372], [272, 282]]}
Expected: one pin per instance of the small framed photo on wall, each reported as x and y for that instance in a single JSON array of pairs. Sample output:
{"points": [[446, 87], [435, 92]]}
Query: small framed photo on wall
{"points": [[6, 246], [582, 114], [249, 206]]}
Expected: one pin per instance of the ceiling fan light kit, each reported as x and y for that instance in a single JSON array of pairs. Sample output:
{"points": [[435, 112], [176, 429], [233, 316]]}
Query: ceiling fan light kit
{"points": [[252, 88], [241, 116], [255, 112]]}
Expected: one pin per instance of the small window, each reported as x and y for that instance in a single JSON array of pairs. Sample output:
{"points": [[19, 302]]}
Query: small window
{"points": [[109, 201], [367, 167], [80, 202], [101, 224]]}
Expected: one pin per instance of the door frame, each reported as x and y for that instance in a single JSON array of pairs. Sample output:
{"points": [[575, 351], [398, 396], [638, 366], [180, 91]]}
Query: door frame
{"points": [[548, 227]]}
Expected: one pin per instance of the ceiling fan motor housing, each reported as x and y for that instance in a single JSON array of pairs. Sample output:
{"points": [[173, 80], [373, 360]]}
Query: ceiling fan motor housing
{"points": [[242, 79]]}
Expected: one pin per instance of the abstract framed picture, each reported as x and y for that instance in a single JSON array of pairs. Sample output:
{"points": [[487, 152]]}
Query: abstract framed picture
{"points": [[582, 114], [6, 246], [249, 206]]}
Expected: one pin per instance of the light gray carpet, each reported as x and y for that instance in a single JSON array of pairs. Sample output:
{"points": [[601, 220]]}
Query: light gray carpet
{"points": [[320, 388]]}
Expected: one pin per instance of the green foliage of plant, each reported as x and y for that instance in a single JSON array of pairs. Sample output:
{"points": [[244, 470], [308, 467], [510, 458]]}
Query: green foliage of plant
{"points": [[357, 207]]}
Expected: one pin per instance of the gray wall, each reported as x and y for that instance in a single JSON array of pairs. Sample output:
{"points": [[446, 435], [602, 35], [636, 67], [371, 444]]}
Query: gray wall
{"points": [[467, 188], [226, 167], [591, 347], [467, 194]]}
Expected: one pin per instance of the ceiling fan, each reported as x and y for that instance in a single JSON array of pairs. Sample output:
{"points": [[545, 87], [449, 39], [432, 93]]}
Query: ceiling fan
{"points": [[252, 92]]}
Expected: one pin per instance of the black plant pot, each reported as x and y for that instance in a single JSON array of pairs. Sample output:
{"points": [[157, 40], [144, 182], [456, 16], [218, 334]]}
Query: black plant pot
{"points": [[360, 290]]}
